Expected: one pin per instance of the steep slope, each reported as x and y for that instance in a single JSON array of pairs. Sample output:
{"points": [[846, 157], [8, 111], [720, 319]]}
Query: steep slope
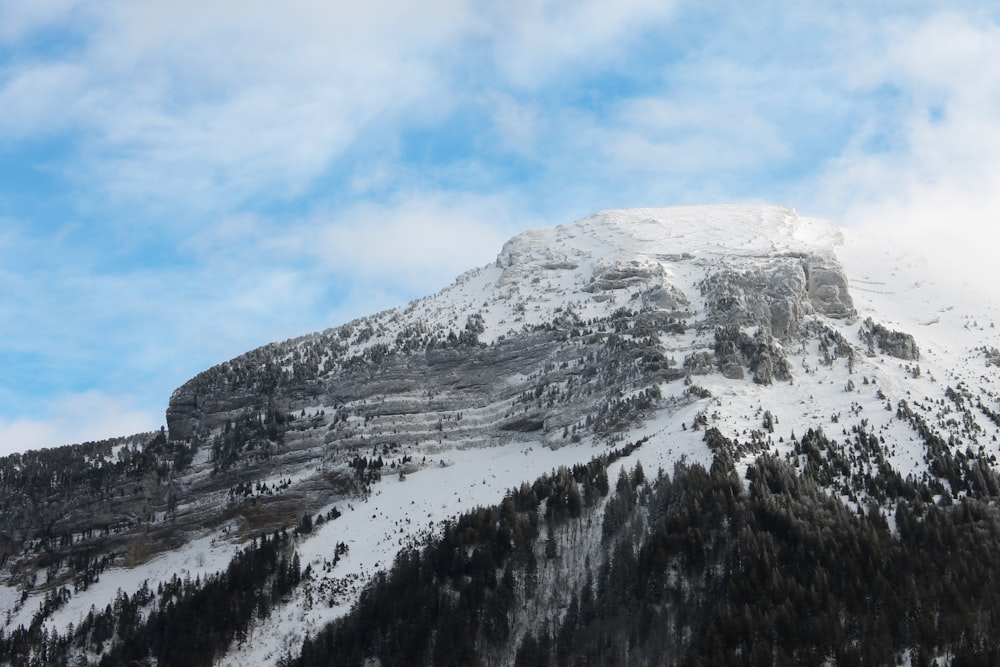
{"points": [[642, 325]]}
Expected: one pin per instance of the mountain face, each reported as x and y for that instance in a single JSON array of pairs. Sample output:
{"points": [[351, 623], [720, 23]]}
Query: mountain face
{"points": [[655, 436]]}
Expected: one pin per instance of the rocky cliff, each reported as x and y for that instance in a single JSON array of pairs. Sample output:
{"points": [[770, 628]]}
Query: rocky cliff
{"points": [[573, 332], [649, 325]]}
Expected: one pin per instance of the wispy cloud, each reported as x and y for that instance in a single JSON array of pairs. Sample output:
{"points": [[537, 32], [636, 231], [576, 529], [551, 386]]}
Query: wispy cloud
{"points": [[429, 238], [924, 167], [21, 19], [536, 43], [73, 418], [213, 103]]}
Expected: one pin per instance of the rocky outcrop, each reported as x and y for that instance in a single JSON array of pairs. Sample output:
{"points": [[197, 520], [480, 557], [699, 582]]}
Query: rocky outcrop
{"points": [[622, 276], [827, 289], [253, 419], [777, 294], [888, 341], [735, 349], [700, 363], [668, 299]]}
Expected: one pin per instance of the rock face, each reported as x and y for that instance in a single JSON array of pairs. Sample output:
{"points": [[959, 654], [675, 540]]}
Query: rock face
{"points": [[574, 332], [894, 343], [555, 296], [183, 413], [778, 294], [735, 350], [828, 293]]}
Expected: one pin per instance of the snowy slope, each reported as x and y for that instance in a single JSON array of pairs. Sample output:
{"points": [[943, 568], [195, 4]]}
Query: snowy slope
{"points": [[684, 271], [541, 271]]}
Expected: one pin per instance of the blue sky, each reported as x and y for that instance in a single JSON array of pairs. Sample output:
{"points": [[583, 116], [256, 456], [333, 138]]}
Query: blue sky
{"points": [[181, 182]]}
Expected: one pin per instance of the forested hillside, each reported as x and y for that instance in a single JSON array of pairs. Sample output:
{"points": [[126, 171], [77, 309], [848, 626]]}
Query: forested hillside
{"points": [[699, 568]]}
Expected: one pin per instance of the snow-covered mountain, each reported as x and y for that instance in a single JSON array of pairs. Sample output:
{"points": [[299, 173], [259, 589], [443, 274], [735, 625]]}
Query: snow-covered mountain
{"points": [[722, 337]]}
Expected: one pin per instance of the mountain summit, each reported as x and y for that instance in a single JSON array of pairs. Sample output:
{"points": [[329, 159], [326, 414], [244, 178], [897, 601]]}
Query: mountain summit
{"points": [[785, 355]]}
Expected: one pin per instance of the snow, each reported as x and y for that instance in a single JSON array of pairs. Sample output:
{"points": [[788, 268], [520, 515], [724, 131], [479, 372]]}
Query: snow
{"points": [[542, 272], [403, 513]]}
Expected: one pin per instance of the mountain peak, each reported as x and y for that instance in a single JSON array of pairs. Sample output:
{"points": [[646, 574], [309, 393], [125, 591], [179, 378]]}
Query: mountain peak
{"points": [[728, 230], [705, 333]]}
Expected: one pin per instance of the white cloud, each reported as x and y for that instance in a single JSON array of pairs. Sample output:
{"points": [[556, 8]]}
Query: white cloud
{"points": [[693, 136], [535, 42], [421, 241], [185, 103], [518, 124], [30, 94], [18, 19], [76, 418], [182, 105], [934, 184]]}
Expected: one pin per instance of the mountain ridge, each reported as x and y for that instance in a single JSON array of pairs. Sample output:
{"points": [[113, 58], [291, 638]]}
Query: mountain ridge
{"points": [[651, 324]]}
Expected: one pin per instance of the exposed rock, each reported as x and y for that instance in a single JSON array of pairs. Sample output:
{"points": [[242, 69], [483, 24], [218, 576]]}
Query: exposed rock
{"points": [[763, 369], [182, 413], [571, 335], [777, 294], [623, 275], [524, 425], [732, 370], [828, 289], [667, 298], [700, 363], [894, 343], [735, 350], [559, 265]]}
